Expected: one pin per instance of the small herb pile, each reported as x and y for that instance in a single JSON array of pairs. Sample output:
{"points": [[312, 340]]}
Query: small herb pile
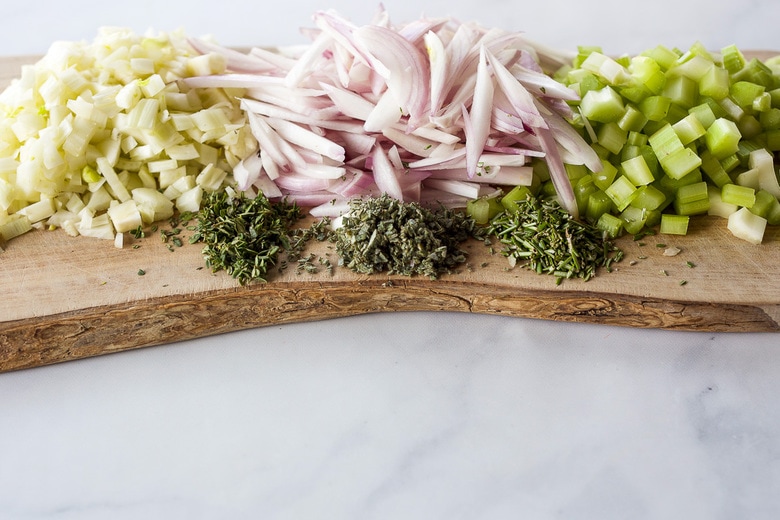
{"points": [[245, 236], [384, 234], [547, 239]]}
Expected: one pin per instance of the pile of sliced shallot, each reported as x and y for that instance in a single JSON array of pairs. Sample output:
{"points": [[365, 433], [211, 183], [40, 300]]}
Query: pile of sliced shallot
{"points": [[433, 111]]}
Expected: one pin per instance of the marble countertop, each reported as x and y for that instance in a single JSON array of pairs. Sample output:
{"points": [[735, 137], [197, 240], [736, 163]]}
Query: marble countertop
{"points": [[405, 415]]}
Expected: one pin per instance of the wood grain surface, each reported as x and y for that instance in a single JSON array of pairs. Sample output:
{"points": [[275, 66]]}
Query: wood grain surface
{"points": [[67, 298]]}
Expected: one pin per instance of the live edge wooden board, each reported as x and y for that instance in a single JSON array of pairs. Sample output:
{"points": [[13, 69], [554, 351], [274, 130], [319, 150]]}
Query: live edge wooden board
{"points": [[66, 298]]}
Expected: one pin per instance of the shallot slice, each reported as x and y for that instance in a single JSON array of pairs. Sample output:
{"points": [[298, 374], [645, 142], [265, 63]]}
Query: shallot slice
{"points": [[478, 125], [385, 174]]}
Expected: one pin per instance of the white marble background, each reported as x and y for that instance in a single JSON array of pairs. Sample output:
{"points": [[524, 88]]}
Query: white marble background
{"points": [[412, 415]]}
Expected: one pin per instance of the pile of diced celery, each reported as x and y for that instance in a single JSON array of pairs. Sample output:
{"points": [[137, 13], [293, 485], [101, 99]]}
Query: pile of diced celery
{"points": [[680, 134]]}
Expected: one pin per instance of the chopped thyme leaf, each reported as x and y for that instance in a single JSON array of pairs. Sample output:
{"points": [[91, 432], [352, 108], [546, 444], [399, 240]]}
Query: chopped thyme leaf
{"points": [[244, 236]]}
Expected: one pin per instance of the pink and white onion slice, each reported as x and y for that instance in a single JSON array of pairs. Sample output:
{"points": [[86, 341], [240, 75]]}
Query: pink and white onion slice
{"points": [[434, 110]]}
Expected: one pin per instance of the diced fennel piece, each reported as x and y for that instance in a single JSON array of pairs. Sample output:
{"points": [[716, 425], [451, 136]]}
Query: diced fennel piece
{"points": [[152, 85], [167, 177], [603, 106], [144, 114], [211, 178], [162, 164], [738, 195], [610, 225], [718, 208], [207, 154], [179, 186], [207, 64], [74, 203], [210, 119], [39, 211], [125, 216], [637, 171], [15, 226], [119, 240], [89, 174], [108, 172], [674, 224], [745, 225], [622, 192], [129, 95], [190, 200], [722, 138], [81, 133], [152, 205], [96, 227], [182, 152]]}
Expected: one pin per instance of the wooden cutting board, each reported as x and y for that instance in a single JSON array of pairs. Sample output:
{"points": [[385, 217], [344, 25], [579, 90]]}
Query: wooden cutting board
{"points": [[66, 298]]}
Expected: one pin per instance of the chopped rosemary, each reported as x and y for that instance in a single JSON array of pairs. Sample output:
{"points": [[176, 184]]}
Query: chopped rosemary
{"points": [[384, 234], [547, 239], [138, 232]]}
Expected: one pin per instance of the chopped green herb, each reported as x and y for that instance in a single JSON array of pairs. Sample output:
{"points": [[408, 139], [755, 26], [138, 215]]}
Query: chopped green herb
{"points": [[141, 272], [384, 234], [138, 232], [547, 239], [244, 236]]}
